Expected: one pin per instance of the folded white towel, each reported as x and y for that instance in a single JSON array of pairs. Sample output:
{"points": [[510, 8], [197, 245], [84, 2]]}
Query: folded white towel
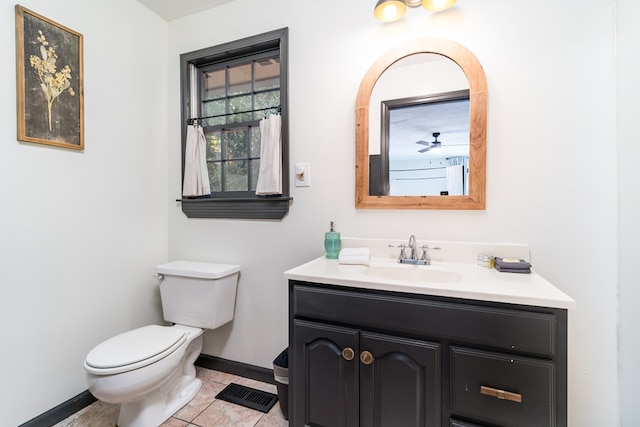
{"points": [[354, 256]]}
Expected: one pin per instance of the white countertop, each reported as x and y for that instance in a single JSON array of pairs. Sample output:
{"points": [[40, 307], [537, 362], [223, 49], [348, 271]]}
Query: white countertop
{"points": [[472, 282]]}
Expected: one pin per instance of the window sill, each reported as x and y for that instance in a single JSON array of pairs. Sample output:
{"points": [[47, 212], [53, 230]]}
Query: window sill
{"points": [[237, 208]]}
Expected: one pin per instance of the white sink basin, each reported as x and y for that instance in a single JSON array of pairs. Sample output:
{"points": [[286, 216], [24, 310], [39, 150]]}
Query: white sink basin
{"points": [[412, 273]]}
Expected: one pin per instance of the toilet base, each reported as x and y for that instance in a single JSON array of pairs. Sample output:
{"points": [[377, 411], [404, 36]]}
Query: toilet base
{"points": [[157, 406]]}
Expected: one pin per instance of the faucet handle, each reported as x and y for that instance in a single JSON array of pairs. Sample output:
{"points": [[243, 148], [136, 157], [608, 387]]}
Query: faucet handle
{"points": [[435, 248], [425, 248], [402, 247]]}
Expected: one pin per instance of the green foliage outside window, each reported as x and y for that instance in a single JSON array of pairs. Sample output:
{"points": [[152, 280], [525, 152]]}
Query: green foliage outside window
{"points": [[233, 140]]}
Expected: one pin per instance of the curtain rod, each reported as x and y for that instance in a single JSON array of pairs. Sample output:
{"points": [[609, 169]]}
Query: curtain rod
{"points": [[195, 119]]}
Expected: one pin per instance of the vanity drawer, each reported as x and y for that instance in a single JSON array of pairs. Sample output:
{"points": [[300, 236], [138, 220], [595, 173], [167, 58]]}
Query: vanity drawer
{"points": [[498, 389], [464, 322]]}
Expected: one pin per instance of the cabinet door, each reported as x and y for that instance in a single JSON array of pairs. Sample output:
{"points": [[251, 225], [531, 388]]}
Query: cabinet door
{"points": [[325, 376], [400, 383]]}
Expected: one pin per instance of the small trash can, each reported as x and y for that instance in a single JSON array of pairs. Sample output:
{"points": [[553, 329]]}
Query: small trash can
{"points": [[281, 375]]}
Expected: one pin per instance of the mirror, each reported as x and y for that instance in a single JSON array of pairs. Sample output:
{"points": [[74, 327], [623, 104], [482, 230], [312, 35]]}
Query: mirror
{"points": [[444, 79]]}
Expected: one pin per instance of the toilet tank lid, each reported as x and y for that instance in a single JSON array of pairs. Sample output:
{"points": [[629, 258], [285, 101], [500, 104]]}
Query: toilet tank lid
{"points": [[201, 270]]}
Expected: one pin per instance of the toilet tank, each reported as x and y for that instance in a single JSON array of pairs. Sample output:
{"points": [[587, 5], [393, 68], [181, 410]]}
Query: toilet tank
{"points": [[198, 294]]}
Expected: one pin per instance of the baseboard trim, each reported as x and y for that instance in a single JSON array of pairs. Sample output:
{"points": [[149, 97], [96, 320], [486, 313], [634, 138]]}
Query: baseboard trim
{"points": [[236, 368], [84, 399], [62, 411]]}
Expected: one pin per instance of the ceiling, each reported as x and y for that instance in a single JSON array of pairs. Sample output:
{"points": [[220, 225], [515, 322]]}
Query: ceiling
{"points": [[172, 9]]}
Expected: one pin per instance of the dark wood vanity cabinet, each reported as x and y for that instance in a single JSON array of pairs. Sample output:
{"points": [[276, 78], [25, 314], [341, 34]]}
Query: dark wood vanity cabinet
{"points": [[346, 386], [368, 358]]}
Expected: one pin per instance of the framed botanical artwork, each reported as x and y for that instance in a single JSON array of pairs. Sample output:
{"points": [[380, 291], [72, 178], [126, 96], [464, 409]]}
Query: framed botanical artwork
{"points": [[49, 69]]}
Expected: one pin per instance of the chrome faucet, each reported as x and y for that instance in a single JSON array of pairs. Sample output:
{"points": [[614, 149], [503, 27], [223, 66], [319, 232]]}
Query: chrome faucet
{"points": [[413, 248], [413, 254]]}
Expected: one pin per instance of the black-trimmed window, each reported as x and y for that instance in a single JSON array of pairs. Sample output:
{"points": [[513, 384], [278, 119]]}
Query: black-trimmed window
{"points": [[229, 88]]}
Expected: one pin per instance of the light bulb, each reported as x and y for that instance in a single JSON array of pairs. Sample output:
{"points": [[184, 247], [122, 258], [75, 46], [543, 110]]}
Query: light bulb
{"points": [[389, 10], [438, 5]]}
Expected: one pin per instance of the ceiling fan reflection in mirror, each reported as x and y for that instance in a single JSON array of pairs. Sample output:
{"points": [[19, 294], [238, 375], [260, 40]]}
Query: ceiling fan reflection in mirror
{"points": [[434, 146]]}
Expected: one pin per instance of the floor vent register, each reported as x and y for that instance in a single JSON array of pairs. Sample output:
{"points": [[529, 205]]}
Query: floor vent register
{"points": [[248, 397]]}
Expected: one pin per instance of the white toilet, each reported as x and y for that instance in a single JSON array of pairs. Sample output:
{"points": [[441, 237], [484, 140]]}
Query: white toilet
{"points": [[150, 370]]}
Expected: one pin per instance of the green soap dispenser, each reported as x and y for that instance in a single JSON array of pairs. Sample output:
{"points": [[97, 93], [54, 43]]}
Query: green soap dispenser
{"points": [[332, 242]]}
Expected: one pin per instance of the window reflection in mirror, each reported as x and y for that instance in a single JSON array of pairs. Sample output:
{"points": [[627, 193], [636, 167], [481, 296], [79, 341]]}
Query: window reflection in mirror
{"points": [[368, 135], [425, 146], [421, 107]]}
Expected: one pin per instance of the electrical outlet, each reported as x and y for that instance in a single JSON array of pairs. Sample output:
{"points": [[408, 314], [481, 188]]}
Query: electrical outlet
{"points": [[303, 175]]}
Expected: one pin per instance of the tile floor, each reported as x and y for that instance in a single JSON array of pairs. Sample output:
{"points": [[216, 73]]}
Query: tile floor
{"points": [[203, 411]]}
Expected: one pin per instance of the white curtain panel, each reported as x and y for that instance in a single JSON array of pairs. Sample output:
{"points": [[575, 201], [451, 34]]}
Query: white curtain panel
{"points": [[270, 174], [196, 174]]}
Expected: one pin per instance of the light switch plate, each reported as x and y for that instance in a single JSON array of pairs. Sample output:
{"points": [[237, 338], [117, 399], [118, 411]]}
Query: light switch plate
{"points": [[303, 175]]}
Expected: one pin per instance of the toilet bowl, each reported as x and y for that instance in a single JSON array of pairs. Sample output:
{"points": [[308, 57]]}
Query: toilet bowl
{"points": [[150, 370]]}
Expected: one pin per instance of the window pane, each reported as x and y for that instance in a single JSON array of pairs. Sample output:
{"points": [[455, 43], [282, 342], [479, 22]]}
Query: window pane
{"points": [[214, 177], [214, 108], [255, 168], [255, 141], [236, 175], [265, 100], [214, 146], [240, 103], [240, 79], [267, 74], [236, 143], [214, 84]]}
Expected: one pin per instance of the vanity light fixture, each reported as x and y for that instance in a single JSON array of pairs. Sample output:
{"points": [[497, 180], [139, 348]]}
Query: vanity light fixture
{"points": [[392, 10]]}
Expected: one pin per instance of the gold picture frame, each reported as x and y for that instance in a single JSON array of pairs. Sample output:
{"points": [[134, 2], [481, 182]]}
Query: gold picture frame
{"points": [[50, 93]]}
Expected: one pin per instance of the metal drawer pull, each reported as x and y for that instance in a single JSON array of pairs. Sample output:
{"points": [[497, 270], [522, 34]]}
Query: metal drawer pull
{"points": [[366, 358], [500, 394], [348, 353]]}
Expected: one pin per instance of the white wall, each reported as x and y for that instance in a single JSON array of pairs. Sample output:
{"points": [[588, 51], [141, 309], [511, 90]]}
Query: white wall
{"points": [[629, 153], [81, 232], [552, 106]]}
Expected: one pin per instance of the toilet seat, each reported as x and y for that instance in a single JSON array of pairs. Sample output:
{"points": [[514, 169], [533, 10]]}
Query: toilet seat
{"points": [[134, 349]]}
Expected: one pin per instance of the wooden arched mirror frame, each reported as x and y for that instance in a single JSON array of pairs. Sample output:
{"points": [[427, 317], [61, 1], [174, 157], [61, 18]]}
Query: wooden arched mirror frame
{"points": [[477, 129]]}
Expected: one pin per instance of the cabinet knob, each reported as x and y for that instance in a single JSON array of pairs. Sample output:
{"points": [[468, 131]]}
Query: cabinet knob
{"points": [[366, 358], [348, 353]]}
